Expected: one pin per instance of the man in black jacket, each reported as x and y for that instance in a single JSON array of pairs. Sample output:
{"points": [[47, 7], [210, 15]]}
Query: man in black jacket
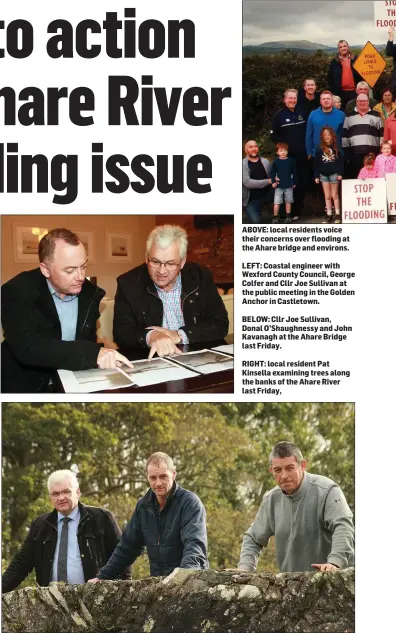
{"points": [[169, 521], [49, 318], [71, 552], [342, 78], [167, 301], [391, 52], [308, 98]]}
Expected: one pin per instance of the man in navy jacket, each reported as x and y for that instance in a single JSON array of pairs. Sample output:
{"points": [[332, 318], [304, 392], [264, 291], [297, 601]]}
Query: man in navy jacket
{"points": [[289, 126], [169, 521]]}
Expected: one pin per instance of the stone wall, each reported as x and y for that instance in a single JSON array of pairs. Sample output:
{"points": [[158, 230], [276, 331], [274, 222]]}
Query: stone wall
{"points": [[189, 602]]}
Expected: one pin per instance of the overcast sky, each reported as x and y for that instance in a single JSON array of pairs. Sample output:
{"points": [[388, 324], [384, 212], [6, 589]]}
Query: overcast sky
{"points": [[319, 22]]}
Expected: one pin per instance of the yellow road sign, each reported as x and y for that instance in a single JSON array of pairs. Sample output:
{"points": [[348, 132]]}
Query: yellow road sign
{"points": [[370, 64]]}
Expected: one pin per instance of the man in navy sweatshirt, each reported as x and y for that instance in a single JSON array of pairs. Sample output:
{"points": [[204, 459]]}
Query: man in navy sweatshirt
{"points": [[169, 521], [284, 180], [289, 126]]}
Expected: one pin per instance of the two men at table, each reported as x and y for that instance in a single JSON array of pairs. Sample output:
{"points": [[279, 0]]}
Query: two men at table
{"points": [[49, 314]]}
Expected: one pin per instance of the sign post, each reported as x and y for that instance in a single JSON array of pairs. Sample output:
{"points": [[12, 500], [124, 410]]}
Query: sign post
{"points": [[370, 64], [364, 201]]}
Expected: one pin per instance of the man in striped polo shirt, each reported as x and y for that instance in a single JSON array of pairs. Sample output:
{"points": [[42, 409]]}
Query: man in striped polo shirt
{"points": [[363, 133]]}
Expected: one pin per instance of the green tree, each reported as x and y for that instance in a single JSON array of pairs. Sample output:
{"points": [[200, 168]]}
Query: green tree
{"points": [[220, 450]]}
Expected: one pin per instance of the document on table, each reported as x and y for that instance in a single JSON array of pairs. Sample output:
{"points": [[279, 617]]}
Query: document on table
{"points": [[144, 373], [206, 361]]}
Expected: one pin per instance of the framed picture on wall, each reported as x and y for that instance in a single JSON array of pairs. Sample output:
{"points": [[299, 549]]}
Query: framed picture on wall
{"points": [[118, 247], [87, 238], [26, 240]]}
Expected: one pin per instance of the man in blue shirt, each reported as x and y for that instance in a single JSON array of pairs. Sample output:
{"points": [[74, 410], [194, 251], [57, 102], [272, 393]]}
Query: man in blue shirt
{"points": [[326, 115], [69, 544]]}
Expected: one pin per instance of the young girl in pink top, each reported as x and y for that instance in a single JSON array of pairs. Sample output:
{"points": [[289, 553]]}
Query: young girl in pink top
{"points": [[368, 170], [385, 163]]}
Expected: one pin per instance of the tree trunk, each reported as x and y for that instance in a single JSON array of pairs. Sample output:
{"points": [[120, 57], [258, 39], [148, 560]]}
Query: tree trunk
{"points": [[189, 601]]}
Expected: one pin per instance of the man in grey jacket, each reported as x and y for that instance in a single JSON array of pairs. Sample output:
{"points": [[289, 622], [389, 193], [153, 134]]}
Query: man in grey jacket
{"points": [[307, 514], [256, 182]]}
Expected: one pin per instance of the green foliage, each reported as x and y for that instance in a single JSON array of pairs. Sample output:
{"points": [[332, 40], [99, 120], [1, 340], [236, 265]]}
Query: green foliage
{"points": [[221, 453], [266, 77], [323, 431]]}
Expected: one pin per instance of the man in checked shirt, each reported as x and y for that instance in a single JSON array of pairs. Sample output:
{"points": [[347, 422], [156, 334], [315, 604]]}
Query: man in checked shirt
{"points": [[166, 301]]}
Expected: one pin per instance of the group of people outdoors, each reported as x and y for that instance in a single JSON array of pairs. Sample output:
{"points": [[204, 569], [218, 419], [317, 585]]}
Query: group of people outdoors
{"points": [[306, 513], [50, 313], [341, 132]]}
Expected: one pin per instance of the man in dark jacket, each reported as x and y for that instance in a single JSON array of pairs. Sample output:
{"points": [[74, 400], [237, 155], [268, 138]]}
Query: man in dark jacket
{"points": [[342, 77], [308, 98], [391, 52], [71, 552], [49, 318], [169, 521], [167, 301]]}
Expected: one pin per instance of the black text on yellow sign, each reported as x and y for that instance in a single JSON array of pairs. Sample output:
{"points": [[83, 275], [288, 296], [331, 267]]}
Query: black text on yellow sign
{"points": [[370, 64]]}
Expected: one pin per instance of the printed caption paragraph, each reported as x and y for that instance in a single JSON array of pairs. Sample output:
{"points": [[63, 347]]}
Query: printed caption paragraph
{"points": [[297, 288]]}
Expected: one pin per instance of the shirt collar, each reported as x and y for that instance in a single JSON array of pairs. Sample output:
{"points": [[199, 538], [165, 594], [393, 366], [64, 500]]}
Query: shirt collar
{"points": [[74, 515], [53, 292], [300, 492], [176, 287]]}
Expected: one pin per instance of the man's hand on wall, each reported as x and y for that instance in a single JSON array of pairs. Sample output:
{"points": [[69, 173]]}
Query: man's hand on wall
{"points": [[325, 567]]}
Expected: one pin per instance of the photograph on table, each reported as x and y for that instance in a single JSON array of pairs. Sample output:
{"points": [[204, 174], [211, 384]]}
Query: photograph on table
{"points": [[85, 295], [319, 113], [232, 509]]}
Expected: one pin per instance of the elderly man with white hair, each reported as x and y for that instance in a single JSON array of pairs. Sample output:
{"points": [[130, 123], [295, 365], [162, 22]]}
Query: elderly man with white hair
{"points": [[167, 301], [69, 544], [362, 88]]}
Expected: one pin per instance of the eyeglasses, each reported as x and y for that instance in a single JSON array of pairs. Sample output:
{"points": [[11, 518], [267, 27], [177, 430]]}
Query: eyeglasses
{"points": [[155, 263], [64, 493]]}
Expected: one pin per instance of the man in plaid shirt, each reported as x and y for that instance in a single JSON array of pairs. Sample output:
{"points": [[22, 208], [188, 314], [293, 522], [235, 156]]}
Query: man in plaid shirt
{"points": [[166, 301]]}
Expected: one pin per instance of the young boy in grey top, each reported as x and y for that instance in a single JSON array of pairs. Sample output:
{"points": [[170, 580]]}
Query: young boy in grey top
{"points": [[308, 515]]}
